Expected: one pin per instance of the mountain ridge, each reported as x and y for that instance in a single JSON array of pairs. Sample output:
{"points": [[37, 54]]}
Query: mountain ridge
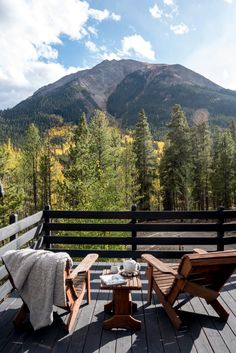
{"points": [[122, 88], [85, 77]]}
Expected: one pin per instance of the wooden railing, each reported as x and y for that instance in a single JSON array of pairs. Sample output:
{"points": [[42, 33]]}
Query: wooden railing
{"points": [[15, 236], [52, 230], [132, 223]]}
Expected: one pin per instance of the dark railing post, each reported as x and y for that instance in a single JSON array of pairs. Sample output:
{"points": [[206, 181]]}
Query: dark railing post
{"points": [[134, 233], [13, 218], [220, 233], [47, 220]]}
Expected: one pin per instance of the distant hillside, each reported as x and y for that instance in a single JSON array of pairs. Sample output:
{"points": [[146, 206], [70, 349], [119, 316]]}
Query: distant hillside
{"points": [[123, 88]]}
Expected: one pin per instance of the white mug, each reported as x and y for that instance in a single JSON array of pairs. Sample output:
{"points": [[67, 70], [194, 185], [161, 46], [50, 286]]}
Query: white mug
{"points": [[115, 268]]}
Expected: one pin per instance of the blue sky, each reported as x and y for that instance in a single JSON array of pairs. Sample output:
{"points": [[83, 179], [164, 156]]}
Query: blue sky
{"points": [[43, 40]]}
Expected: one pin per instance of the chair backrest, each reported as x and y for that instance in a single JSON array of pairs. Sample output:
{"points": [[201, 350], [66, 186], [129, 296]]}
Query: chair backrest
{"points": [[210, 269]]}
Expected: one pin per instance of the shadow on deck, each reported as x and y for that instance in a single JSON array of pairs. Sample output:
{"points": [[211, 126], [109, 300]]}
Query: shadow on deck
{"points": [[201, 333]]}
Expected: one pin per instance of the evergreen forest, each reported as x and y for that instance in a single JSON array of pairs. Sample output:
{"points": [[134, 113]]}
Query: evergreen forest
{"points": [[96, 166]]}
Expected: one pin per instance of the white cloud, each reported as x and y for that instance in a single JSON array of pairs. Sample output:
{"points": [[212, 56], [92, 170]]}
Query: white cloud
{"points": [[46, 51], [155, 11], [131, 46], [173, 8], [110, 56], [182, 28], [92, 30], [35, 76], [169, 10], [28, 31], [91, 46], [168, 2], [229, 1], [101, 15], [135, 44], [216, 60], [115, 17]]}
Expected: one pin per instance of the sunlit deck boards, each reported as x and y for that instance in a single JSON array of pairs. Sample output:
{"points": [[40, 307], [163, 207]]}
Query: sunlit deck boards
{"points": [[202, 333]]}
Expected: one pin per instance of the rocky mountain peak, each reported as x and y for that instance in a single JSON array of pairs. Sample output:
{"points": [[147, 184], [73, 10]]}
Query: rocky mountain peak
{"points": [[123, 88]]}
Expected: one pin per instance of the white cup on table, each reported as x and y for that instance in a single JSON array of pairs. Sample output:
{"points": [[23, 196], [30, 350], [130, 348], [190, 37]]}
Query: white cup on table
{"points": [[115, 268]]}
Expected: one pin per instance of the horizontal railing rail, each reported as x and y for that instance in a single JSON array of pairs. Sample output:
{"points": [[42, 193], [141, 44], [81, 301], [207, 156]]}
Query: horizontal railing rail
{"points": [[138, 241], [138, 227], [138, 215]]}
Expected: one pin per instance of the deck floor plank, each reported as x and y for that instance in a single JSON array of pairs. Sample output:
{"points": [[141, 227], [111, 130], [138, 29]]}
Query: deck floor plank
{"points": [[202, 331], [139, 339], [169, 340], [191, 320], [208, 325], [123, 342], [94, 336], [6, 326], [153, 333], [230, 306], [224, 330], [184, 336], [108, 337], [228, 301], [166, 340], [128, 341], [95, 330]]}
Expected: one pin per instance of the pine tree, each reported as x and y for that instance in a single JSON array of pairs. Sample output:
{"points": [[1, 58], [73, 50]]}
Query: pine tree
{"points": [[49, 169], [101, 142], [78, 171], [145, 161], [222, 166], [128, 175], [105, 157], [175, 163], [30, 168], [201, 165], [232, 128]]}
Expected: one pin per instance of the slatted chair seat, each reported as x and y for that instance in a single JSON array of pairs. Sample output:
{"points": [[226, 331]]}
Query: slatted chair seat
{"points": [[199, 274]]}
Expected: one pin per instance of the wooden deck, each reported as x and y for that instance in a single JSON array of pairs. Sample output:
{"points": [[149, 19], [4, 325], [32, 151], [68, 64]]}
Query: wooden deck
{"points": [[202, 333]]}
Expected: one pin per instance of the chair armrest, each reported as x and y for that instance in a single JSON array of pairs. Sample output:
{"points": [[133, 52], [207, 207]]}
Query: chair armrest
{"points": [[161, 266], [84, 265], [199, 251]]}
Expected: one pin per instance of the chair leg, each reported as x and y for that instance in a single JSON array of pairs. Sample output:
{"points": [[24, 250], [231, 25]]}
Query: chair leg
{"points": [[173, 316], [170, 311], [73, 314], [88, 287], [223, 314], [74, 309], [149, 273]]}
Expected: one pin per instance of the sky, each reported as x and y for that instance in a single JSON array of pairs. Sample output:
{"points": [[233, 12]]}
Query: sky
{"points": [[44, 40]]}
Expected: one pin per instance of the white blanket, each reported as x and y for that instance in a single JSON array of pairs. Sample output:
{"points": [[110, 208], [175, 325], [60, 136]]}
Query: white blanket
{"points": [[38, 276]]}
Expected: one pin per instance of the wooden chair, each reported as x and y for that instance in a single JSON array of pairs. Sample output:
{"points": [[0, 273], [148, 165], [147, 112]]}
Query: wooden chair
{"points": [[201, 274], [77, 281]]}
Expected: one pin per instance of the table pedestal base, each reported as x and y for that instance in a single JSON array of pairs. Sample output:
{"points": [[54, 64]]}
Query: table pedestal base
{"points": [[122, 307]]}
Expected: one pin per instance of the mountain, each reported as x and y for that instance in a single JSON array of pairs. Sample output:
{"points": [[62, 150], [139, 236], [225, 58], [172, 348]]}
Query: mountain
{"points": [[123, 88]]}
